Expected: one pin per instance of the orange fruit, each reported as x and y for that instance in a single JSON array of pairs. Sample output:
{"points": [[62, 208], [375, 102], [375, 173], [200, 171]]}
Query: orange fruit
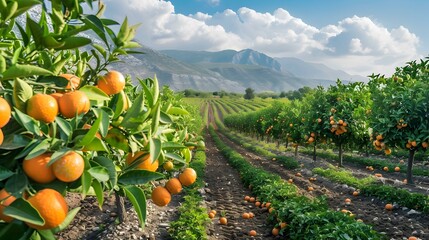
{"points": [[188, 177], [258, 204], [37, 168], [5, 200], [267, 205], [252, 233], [386, 169], [397, 169], [145, 161], [355, 193], [223, 221], [245, 215], [275, 231], [387, 151], [211, 215], [168, 166], [74, 81], [174, 186], [213, 211], [87, 126], [246, 198], [52, 207], [290, 180], [42, 107], [251, 215], [378, 175], [1, 137], [310, 189], [160, 196], [69, 167], [412, 238], [348, 201], [270, 210], [425, 144], [252, 199], [283, 225], [111, 83], [74, 103], [389, 207], [5, 112]]}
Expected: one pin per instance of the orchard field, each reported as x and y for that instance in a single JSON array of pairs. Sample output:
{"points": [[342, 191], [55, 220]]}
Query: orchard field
{"points": [[87, 152]]}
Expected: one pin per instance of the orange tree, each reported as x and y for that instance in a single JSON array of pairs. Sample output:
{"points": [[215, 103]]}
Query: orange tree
{"points": [[293, 123], [316, 105], [346, 123], [400, 113], [68, 123]]}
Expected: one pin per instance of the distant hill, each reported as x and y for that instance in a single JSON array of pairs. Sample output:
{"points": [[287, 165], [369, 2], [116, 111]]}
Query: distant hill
{"points": [[309, 70]]}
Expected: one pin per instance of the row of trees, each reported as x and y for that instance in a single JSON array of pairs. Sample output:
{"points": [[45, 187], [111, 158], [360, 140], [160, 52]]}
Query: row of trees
{"points": [[387, 113]]}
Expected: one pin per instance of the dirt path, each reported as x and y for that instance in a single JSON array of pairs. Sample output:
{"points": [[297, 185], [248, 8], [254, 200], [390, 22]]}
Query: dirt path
{"points": [[396, 224], [225, 192]]}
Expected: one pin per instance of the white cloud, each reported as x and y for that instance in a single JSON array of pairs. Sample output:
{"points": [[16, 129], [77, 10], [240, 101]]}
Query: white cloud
{"points": [[357, 45]]}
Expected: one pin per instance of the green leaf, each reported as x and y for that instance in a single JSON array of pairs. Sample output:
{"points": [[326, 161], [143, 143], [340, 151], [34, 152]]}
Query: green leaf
{"points": [[46, 234], [137, 197], [111, 168], [97, 145], [105, 120], [155, 88], [17, 183], [94, 93], [5, 173], [22, 71], [98, 189], [97, 26], [100, 173], [138, 177], [64, 126], [100, 49], [148, 93], [74, 42], [172, 146], [90, 135], [18, 229], [21, 93], [39, 149], [36, 31], [22, 210], [155, 148], [70, 216], [175, 157], [165, 119], [177, 111], [86, 181], [156, 112], [58, 154]]}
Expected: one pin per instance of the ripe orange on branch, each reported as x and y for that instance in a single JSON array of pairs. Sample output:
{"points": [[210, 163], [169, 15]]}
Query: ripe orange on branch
{"points": [[145, 161], [74, 103], [111, 83], [160, 196], [5, 112], [37, 168], [74, 81], [1, 137], [174, 186], [69, 167], [52, 207], [42, 107], [188, 177]]}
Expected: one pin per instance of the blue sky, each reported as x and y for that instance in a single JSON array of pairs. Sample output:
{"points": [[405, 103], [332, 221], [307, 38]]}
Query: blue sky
{"points": [[360, 37]]}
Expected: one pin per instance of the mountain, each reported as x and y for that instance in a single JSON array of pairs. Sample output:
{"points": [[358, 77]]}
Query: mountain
{"points": [[229, 70], [244, 57], [309, 70]]}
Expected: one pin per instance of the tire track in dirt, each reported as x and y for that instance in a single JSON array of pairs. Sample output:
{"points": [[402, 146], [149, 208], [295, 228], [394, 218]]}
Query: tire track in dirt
{"points": [[225, 192], [395, 224]]}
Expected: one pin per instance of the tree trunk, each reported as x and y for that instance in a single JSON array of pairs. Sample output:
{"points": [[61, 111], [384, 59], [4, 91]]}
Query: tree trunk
{"points": [[367, 151], [287, 143], [410, 167], [120, 207], [340, 155], [278, 144], [296, 151], [314, 151]]}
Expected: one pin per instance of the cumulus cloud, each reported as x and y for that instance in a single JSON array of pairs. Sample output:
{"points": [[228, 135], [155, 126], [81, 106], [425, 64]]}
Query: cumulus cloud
{"points": [[355, 44]]}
